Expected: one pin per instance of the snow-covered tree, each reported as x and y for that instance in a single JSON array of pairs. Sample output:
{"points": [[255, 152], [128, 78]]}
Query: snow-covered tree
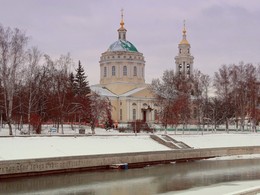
{"points": [[12, 57]]}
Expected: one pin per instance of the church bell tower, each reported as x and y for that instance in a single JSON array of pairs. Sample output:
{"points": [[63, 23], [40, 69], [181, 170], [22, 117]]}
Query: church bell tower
{"points": [[184, 60]]}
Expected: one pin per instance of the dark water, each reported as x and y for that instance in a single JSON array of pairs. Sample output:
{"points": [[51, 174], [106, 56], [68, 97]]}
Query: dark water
{"points": [[149, 180]]}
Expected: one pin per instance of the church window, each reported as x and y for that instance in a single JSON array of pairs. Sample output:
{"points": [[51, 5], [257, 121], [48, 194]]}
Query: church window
{"points": [[105, 71], [113, 70], [133, 104], [125, 71], [179, 50], [135, 71], [188, 50], [121, 114], [134, 114], [156, 115]]}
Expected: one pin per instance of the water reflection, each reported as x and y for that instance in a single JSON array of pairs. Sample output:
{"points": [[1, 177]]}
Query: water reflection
{"points": [[149, 180]]}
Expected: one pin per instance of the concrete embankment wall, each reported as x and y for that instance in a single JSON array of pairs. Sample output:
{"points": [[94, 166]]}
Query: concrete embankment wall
{"points": [[26, 167]]}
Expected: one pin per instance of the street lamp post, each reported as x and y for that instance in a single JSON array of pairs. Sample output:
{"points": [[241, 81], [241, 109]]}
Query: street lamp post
{"points": [[1, 120], [135, 128]]}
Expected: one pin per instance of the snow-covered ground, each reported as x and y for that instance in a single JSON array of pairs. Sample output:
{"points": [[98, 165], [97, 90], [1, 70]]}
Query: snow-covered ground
{"points": [[212, 140], [108, 142], [39, 147]]}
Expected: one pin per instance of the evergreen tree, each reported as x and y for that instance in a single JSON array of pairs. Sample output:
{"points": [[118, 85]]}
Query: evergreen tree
{"points": [[73, 84], [82, 85]]}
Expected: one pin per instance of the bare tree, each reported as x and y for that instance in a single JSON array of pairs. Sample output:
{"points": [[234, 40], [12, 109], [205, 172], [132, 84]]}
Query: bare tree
{"points": [[32, 81], [12, 55], [222, 83], [201, 83], [99, 110], [166, 93]]}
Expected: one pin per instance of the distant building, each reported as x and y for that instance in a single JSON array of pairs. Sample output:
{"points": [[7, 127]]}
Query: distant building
{"points": [[184, 60]]}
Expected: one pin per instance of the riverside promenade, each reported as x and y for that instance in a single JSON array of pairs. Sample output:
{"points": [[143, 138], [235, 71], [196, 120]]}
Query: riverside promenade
{"points": [[38, 166]]}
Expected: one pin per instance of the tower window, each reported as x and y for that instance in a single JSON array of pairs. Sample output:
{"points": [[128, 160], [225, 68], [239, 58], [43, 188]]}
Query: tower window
{"points": [[113, 70], [135, 71], [188, 50], [179, 50], [105, 71], [125, 71]]}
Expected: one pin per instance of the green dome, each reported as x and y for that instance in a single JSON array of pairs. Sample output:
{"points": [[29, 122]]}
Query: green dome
{"points": [[122, 45]]}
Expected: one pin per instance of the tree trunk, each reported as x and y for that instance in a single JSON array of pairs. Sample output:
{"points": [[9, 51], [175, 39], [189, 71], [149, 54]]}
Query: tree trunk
{"points": [[62, 131], [10, 127], [227, 128]]}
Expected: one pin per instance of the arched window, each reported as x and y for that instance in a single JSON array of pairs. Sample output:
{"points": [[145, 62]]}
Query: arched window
{"points": [[134, 114], [113, 71], [125, 71], [135, 71], [105, 71]]}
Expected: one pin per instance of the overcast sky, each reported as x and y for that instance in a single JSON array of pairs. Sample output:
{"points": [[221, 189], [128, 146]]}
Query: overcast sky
{"points": [[219, 31]]}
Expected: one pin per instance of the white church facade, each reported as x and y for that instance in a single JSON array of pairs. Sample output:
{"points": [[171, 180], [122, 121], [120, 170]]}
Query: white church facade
{"points": [[122, 79]]}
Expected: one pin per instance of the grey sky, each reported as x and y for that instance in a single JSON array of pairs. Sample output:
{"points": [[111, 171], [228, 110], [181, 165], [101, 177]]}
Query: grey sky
{"points": [[219, 31]]}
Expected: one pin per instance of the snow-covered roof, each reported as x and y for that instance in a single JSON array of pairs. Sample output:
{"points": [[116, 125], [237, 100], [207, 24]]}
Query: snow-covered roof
{"points": [[102, 91], [122, 45], [129, 93]]}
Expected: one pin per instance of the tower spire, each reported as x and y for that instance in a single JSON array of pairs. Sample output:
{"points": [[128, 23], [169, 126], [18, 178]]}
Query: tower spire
{"points": [[184, 28], [122, 19], [184, 40], [122, 30]]}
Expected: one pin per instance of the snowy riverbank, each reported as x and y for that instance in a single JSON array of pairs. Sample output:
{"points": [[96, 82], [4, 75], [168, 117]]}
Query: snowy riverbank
{"points": [[109, 142]]}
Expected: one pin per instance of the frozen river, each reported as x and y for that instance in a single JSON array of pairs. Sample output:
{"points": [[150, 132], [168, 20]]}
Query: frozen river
{"points": [[162, 179]]}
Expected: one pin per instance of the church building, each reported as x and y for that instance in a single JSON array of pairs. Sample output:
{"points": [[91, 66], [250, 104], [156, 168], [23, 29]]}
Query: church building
{"points": [[122, 78]]}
